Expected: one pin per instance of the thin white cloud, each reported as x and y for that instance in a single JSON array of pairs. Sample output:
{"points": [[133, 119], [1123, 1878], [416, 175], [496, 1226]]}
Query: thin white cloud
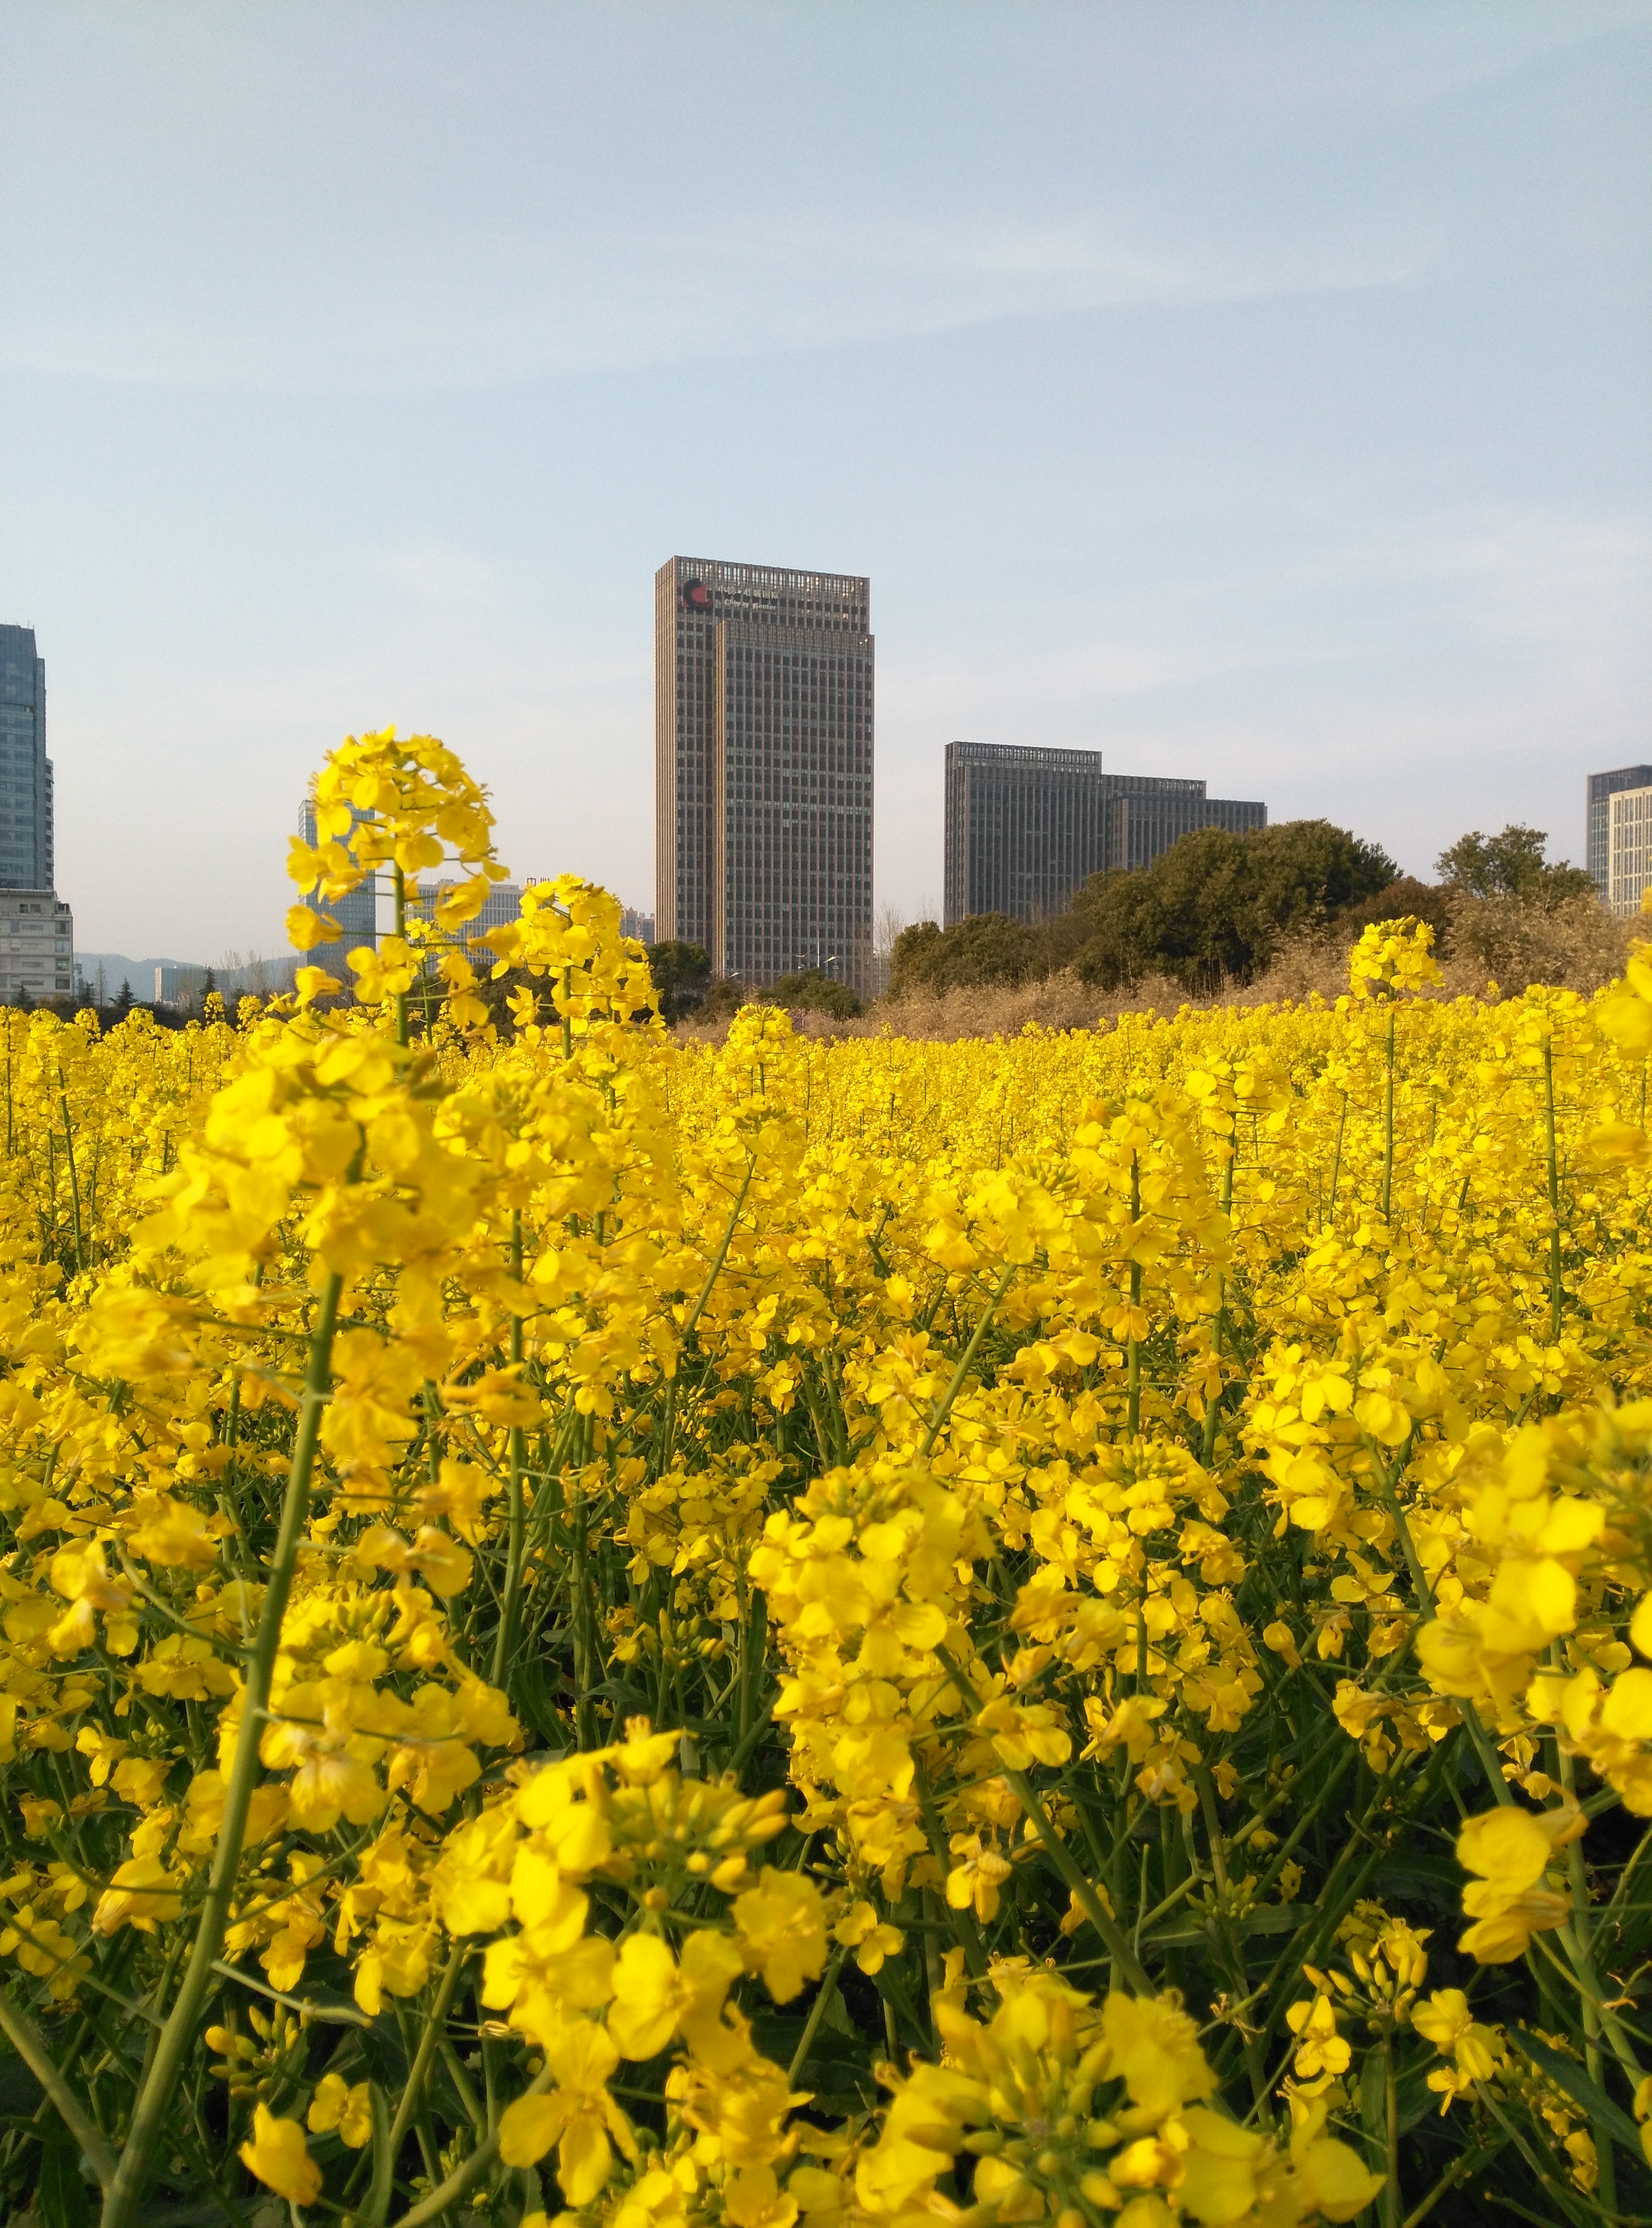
{"points": [[478, 310], [435, 573]]}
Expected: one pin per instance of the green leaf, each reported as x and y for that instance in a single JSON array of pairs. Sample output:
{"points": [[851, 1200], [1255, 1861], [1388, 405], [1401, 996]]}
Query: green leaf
{"points": [[62, 2197], [1567, 2074]]}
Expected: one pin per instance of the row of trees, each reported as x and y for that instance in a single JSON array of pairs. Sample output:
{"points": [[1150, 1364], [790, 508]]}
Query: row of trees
{"points": [[1217, 908], [1214, 908]]}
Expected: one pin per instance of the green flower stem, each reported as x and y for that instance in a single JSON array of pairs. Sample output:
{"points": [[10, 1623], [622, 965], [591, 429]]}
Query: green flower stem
{"points": [[1556, 1295], [944, 1406], [1388, 1120], [1479, 1738], [467, 2175], [399, 886], [517, 1520], [1133, 1348], [817, 2011], [1117, 1946], [964, 1929], [1336, 1161], [75, 1180], [178, 2036], [663, 1459]]}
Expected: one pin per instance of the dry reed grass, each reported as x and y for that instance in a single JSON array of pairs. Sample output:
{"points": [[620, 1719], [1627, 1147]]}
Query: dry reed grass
{"points": [[1497, 948]]}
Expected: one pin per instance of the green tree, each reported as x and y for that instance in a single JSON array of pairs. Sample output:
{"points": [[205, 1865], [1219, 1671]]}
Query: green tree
{"points": [[123, 1005], [816, 993], [682, 972], [1429, 901], [1216, 907], [725, 995], [1512, 866], [987, 947]]}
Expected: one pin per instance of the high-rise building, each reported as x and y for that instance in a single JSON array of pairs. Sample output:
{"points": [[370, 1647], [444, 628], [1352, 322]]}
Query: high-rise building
{"points": [[1026, 827], [1602, 787], [638, 924], [356, 913], [1149, 812], [1628, 850], [763, 767], [36, 926], [26, 860]]}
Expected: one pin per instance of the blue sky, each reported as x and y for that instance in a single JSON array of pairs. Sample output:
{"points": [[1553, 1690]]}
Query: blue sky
{"points": [[1252, 391]]}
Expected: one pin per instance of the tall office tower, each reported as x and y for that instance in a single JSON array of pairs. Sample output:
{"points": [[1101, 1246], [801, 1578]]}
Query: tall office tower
{"points": [[357, 914], [36, 927], [1602, 787], [26, 862], [1147, 813], [1628, 850], [763, 682], [1025, 828]]}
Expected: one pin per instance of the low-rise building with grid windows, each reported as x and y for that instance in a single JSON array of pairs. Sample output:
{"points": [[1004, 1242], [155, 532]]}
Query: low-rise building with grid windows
{"points": [[1628, 850], [36, 946], [764, 682], [1602, 787], [1026, 827]]}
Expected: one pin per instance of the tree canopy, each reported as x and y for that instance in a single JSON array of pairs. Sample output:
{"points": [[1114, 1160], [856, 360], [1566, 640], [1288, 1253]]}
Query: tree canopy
{"points": [[1511, 866], [682, 972], [816, 993], [1217, 905], [988, 947]]}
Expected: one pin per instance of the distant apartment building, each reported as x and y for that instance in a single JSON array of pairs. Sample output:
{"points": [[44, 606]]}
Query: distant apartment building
{"points": [[1026, 827], [639, 924], [502, 905], [763, 767], [179, 983], [1602, 787], [1628, 850], [357, 914], [37, 945]]}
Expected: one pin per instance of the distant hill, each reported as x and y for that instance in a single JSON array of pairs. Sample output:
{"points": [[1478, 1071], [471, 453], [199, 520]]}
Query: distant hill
{"points": [[262, 976], [118, 968]]}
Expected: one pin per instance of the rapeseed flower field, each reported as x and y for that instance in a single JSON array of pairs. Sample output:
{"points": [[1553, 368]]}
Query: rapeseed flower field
{"points": [[637, 1635]]}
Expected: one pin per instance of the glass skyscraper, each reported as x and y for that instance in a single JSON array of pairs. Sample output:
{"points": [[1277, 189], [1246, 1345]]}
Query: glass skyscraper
{"points": [[36, 927], [763, 767], [357, 914], [26, 859]]}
